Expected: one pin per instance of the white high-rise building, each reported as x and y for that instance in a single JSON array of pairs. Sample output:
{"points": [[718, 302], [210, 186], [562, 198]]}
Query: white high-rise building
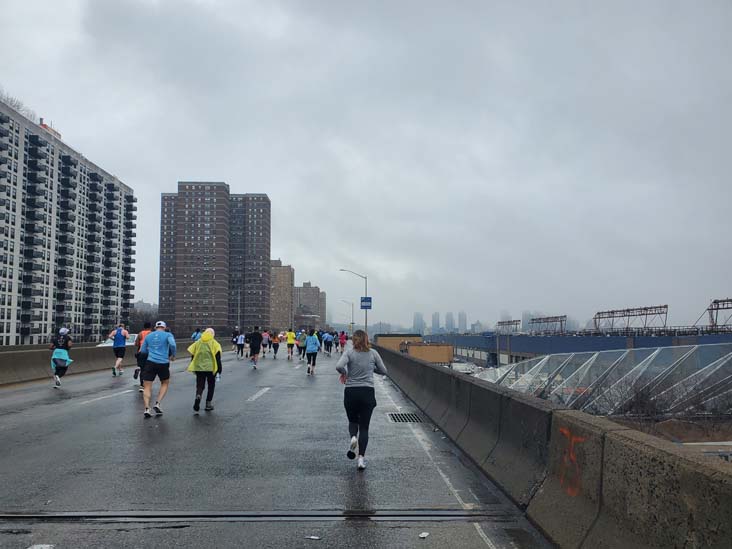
{"points": [[66, 238]]}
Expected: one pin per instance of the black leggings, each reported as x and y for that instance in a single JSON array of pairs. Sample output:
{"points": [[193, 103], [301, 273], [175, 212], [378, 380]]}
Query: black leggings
{"points": [[328, 346], [360, 403], [239, 349], [201, 379], [275, 348], [312, 357], [301, 351]]}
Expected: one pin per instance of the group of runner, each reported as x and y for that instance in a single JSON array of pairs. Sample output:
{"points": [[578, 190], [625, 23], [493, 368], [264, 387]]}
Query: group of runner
{"points": [[156, 348]]}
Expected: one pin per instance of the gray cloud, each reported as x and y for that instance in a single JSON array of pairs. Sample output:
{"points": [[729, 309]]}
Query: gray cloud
{"points": [[479, 156]]}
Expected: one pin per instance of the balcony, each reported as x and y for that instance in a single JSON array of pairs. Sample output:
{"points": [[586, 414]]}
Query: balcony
{"points": [[93, 234], [67, 204], [39, 201], [60, 308], [68, 183], [130, 233], [38, 165], [38, 177], [93, 248], [4, 132], [34, 241], [33, 279], [33, 229], [69, 160], [31, 304], [130, 224], [127, 287], [69, 171], [68, 216], [93, 279], [63, 296], [4, 118], [68, 193], [35, 216], [109, 254], [37, 189], [4, 146], [65, 261], [3, 160], [131, 198], [93, 269], [32, 253], [37, 152], [108, 302], [31, 266], [64, 273], [62, 284], [66, 227], [67, 238], [95, 187], [28, 317], [127, 297], [128, 269], [97, 178], [65, 249], [112, 225], [128, 242], [111, 263], [128, 278], [96, 219], [31, 292], [110, 235], [95, 206], [38, 141], [91, 311]]}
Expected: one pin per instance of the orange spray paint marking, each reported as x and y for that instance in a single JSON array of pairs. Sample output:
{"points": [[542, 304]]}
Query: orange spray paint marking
{"points": [[569, 472]]}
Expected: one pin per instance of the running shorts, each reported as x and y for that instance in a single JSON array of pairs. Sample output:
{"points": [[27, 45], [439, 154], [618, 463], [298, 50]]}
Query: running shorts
{"points": [[254, 350], [119, 352], [153, 370]]}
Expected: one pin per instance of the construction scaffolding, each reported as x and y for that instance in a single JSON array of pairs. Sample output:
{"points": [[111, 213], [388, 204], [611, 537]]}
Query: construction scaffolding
{"points": [[719, 305], [508, 326], [626, 318]]}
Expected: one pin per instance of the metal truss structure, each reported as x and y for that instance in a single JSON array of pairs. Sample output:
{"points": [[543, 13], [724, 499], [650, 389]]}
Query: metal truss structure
{"points": [[549, 324], [508, 326], [719, 305], [626, 318]]}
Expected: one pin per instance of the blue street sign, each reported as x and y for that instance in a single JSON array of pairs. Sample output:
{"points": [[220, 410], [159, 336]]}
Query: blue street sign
{"points": [[365, 303]]}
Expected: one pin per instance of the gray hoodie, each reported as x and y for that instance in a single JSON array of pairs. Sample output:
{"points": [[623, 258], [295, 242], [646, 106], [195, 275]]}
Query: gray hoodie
{"points": [[359, 367]]}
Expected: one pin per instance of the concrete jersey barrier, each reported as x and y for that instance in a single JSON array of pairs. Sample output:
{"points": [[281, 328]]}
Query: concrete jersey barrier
{"points": [[583, 480], [19, 366]]}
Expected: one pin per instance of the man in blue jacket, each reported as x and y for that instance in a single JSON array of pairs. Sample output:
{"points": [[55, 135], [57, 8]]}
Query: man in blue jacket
{"points": [[160, 349]]}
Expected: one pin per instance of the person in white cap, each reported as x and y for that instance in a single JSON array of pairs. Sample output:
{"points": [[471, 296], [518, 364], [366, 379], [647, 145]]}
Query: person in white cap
{"points": [[160, 349], [60, 360]]}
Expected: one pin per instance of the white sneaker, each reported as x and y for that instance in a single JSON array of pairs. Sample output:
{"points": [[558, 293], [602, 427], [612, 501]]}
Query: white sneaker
{"points": [[352, 449], [361, 463], [57, 381]]}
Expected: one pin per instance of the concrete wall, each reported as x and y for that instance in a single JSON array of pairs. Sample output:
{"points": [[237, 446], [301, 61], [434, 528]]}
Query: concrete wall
{"points": [[33, 364], [584, 480]]}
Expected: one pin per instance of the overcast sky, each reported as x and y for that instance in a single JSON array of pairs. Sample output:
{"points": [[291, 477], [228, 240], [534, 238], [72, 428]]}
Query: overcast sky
{"points": [[479, 156]]}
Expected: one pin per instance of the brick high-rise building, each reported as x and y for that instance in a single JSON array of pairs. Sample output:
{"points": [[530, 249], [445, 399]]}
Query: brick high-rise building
{"points": [[322, 306], [283, 285], [212, 248], [66, 238], [307, 301]]}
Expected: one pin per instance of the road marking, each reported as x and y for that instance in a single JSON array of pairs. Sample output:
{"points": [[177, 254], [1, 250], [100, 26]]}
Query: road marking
{"points": [[484, 536], [107, 396], [41, 547], [298, 366], [426, 447], [258, 394]]}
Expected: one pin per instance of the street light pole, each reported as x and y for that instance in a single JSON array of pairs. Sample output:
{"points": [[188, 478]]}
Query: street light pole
{"points": [[351, 304], [366, 293]]}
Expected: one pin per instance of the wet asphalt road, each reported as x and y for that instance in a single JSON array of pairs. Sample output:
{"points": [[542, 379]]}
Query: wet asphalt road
{"points": [[267, 468]]}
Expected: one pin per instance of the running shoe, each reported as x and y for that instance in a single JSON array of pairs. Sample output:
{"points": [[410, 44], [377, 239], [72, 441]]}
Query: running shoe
{"points": [[120, 372], [57, 381], [158, 409], [147, 412], [361, 463], [209, 407], [114, 371], [352, 448], [308, 370], [140, 390], [197, 404], [136, 374]]}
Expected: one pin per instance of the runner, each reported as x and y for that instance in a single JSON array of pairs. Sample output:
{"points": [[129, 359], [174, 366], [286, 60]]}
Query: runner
{"points": [[336, 341], [119, 345], [234, 336], [328, 343], [312, 346], [343, 338], [265, 343], [291, 338], [275, 342], [141, 358], [206, 364], [159, 346], [357, 367], [195, 336], [301, 338], [60, 360], [241, 341], [255, 346]]}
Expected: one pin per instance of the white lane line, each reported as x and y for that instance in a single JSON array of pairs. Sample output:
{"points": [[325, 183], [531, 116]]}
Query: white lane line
{"points": [[426, 447], [258, 394], [484, 536], [298, 366], [106, 396], [41, 547]]}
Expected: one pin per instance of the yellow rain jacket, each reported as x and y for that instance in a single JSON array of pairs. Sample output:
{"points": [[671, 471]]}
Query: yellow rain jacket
{"points": [[204, 353]]}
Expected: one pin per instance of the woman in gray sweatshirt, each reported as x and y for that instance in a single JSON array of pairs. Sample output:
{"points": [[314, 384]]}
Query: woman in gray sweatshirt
{"points": [[357, 367]]}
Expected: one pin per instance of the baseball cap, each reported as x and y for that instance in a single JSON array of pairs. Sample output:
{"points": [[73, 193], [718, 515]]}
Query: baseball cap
{"points": [[160, 324]]}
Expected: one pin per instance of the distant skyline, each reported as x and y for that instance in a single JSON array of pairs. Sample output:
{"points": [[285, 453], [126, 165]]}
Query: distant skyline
{"points": [[484, 156]]}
